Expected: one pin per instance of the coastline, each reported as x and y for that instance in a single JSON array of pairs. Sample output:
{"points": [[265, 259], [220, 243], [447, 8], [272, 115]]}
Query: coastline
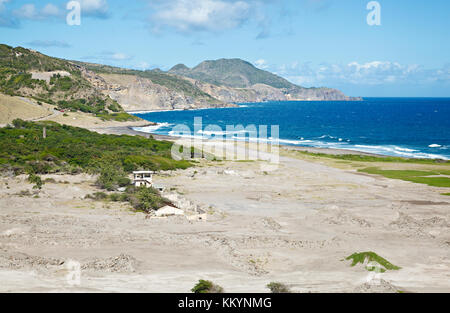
{"points": [[261, 225], [395, 143], [128, 130], [238, 104]]}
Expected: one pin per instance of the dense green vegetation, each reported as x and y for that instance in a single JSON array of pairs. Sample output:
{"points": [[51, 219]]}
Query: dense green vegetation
{"points": [[206, 286], [73, 150], [446, 194], [22, 60], [420, 177], [70, 149], [372, 257]]}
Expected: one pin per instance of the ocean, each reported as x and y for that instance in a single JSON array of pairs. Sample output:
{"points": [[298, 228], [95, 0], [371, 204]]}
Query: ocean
{"points": [[403, 127]]}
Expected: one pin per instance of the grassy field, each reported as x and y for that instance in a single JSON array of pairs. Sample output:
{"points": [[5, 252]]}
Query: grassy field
{"points": [[12, 108], [434, 173], [367, 158], [420, 177]]}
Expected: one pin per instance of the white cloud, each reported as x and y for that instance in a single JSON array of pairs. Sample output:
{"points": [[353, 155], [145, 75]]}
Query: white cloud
{"points": [[120, 56], [143, 66], [27, 11], [6, 19], [49, 43], [50, 10], [31, 12], [89, 8], [109, 56], [262, 64], [94, 8], [201, 15], [370, 73]]}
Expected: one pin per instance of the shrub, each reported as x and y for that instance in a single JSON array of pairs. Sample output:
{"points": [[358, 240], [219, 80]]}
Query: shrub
{"points": [[36, 180], [24, 193], [147, 200], [112, 178], [206, 286], [97, 196], [18, 123], [115, 197], [275, 287]]}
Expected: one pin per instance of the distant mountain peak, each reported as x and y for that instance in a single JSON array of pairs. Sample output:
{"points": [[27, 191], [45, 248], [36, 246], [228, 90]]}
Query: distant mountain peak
{"points": [[179, 67], [234, 73]]}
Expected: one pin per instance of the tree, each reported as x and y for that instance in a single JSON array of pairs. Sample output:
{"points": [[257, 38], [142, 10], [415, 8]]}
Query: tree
{"points": [[112, 177]]}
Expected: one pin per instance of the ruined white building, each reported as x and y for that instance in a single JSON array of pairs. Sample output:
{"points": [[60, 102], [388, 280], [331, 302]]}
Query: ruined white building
{"points": [[143, 178]]}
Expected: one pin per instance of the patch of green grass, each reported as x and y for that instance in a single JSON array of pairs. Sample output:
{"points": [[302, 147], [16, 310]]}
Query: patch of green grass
{"points": [[118, 117], [420, 177], [446, 194], [368, 158], [361, 258]]}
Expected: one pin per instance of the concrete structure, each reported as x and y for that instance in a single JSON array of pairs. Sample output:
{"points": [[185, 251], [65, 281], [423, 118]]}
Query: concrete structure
{"points": [[143, 178], [160, 188], [168, 211]]}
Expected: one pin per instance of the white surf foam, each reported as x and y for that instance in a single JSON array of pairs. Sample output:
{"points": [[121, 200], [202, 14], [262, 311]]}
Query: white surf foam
{"points": [[152, 128]]}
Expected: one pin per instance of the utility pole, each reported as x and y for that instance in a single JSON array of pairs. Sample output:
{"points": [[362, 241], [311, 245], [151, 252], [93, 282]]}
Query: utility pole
{"points": [[44, 132]]}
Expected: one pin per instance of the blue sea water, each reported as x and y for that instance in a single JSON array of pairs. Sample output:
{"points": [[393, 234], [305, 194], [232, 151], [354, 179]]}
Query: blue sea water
{"points": [[405, 127]]}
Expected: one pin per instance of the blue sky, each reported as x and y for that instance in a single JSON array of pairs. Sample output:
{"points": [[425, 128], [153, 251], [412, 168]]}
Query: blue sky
{"points": [[310, 42]]}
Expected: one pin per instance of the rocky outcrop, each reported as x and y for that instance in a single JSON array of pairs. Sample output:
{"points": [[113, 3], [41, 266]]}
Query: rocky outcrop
{"points": [[262, 93], [235, 80], [135, 93]]}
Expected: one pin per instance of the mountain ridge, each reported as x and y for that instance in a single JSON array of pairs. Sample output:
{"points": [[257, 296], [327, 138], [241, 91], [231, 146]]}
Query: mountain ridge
{"points": [[103, 89], [240, 74]]}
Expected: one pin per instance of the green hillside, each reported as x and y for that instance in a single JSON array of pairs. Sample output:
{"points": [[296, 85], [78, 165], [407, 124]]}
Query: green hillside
{"points": [[234, 73], [69, 91]]}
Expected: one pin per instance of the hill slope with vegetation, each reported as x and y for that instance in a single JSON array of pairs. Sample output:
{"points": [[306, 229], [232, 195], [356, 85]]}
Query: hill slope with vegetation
{"points": [[30, 74]]}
